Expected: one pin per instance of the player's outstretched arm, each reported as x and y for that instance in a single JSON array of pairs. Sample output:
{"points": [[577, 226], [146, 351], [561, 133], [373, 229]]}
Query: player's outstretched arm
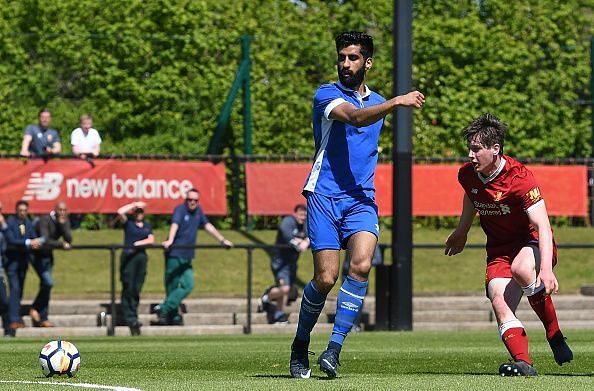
{"points": [[457, 240], [359, 117], [539, 218]]}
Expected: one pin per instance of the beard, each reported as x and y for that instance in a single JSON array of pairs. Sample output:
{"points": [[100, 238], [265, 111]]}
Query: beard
{"points": [[352, 81]]}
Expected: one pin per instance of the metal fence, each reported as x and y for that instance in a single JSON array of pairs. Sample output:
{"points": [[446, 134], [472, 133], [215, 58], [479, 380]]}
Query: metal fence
{"points": [[381, 316]]}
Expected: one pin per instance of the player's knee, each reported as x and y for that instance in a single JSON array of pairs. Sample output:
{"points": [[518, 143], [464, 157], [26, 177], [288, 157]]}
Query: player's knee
{"points": [[285, 289], [521, 271], [498, 303], [360, 268], [325, 281]]}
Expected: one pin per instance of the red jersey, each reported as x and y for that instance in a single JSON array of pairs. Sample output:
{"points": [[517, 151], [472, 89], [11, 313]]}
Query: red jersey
{"points": [[502, 201]]}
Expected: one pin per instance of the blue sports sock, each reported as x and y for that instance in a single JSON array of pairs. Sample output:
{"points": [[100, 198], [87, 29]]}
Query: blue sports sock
{"points": [[312, 303], [348, 303]]}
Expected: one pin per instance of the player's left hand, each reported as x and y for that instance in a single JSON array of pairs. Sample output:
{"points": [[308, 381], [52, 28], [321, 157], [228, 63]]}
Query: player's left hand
{"points": [[550, 282], [412, 99]]}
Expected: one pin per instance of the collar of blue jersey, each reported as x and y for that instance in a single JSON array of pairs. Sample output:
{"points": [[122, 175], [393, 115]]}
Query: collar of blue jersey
{"points": [[343, 87]]}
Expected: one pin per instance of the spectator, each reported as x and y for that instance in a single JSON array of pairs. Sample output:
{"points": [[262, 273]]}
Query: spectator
{"points": [[40, 139], [137, 233], [51, 228], [85, 140], [20, 234], [179, 277], [3, 297], [292, 231]]}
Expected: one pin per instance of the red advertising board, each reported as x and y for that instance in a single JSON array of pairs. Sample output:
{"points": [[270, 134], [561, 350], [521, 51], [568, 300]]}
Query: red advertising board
{"points": [[275, 188], [108, 184]]}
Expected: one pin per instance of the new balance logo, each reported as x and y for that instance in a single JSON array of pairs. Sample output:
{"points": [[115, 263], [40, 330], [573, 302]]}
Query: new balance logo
{"points": [[474, 191], [43, 187]]}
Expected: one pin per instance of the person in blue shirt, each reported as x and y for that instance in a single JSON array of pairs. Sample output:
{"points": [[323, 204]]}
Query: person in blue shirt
{"points": [[179, 277], [340, 193], [133, 262], [21, 235], [39, 139]]}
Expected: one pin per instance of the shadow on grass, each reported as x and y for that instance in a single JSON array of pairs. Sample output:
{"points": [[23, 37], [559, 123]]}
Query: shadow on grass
{"points": [[273, 376]]}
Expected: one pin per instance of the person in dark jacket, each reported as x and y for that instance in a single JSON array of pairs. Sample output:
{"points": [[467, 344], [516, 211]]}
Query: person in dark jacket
{"points": [[3, 296], [21, 236], [51, 228]]}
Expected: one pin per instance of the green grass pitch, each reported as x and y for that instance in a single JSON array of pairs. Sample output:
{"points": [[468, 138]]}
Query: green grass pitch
{"points": [[370, 361]]}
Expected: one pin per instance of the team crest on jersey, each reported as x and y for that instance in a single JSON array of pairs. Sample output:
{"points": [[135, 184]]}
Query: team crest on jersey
{"points": [[498, 196], [534, 194]]}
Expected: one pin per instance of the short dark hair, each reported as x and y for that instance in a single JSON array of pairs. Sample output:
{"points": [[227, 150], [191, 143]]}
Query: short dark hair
{"points": [[349, 38], [21, 202], [487, 130], [43, 110], [299, 207]]}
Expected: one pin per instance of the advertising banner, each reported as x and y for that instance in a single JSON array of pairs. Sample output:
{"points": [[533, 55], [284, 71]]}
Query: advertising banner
{"points": [[275, 188], [106, 185]]}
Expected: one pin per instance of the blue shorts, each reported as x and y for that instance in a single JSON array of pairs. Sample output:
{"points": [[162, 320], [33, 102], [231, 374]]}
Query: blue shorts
{"points": [[332, 221]]}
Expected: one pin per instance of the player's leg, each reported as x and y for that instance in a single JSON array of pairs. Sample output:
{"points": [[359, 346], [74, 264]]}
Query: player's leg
{"points": [[312, 303], [360, 231], [524, 269], [323, 222], [504, 294]]}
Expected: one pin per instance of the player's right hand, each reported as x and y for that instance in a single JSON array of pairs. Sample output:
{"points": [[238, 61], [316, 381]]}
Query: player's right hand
{"points": [[166, 244], [455, 243], [412, 99]]}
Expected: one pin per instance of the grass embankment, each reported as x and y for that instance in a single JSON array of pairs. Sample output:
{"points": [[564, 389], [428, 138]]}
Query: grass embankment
{"points": [[223, 272]]}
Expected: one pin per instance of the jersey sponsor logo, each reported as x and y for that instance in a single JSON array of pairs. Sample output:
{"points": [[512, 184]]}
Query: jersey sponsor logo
{"points": [[43, 187], [534, 194], [491, 208]]}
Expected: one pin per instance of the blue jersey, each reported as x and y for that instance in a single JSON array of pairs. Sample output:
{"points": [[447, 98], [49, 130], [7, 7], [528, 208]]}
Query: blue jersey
{"points": [[346, 156], [188, 224], [133, 233]]}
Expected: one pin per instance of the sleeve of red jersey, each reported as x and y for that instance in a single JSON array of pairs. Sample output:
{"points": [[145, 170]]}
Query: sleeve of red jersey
{"points": [[528, 191]]}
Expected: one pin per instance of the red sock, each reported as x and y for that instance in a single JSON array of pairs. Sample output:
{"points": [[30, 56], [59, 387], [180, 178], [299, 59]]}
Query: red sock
{"points": [[516, 342], [545, 309]]}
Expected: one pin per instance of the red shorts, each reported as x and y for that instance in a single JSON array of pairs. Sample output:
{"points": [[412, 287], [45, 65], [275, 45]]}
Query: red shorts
{"points": [[500, 266]]}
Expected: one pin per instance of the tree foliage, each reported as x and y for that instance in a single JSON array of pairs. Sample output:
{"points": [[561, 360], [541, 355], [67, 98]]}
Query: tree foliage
{"points": [[155, 74]]}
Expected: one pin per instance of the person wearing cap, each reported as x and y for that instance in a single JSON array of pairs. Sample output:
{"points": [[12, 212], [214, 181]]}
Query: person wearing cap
{"points": [[137, 233]]}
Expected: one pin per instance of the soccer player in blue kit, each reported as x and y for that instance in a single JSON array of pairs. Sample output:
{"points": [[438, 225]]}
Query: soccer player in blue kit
{"points": [[341, 209]]}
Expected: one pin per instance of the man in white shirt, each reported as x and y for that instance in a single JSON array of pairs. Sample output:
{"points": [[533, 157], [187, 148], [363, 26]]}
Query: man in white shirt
{"points": [[85, 140]]}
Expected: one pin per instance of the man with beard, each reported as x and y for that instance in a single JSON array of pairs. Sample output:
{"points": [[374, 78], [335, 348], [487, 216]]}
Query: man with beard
{"points": [[341, 209]]}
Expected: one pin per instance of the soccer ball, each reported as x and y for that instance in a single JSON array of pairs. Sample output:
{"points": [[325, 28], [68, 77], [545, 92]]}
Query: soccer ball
{"points": [[58, 358]]}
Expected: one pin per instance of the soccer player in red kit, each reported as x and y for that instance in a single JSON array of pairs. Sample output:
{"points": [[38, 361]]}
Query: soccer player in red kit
{"points": [[521, 251]]}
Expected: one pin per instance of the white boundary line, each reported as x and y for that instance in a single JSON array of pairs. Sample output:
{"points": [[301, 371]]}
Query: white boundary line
{"points": [[79, 385]]}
